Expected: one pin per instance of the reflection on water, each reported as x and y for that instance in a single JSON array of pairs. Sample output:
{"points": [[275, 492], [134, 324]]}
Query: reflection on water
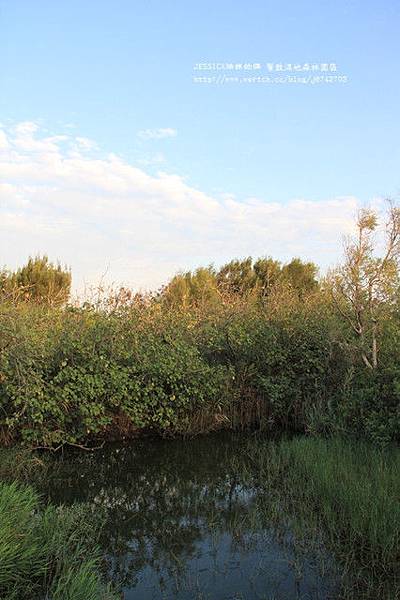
{"points": [[182, 520]]}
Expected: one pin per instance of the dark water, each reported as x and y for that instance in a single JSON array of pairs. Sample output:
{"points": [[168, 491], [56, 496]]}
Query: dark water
{"points": [[182, 519]]}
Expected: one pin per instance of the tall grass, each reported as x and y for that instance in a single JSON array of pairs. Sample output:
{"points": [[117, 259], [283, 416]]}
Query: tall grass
{"points": [[22, 555], [345, 492], [355, 489], [44, 551], [22, 464], [80, 584]]}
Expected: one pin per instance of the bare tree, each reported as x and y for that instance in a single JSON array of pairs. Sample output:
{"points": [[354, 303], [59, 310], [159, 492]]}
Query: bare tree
{"points": [[365, 287]]}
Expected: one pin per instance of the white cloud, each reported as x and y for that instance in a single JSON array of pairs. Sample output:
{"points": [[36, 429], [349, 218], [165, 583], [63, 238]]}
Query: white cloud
{"points": [[26, 128], [84, 143], [3, 140], [101, 213], [157, 134], [155, 159]]}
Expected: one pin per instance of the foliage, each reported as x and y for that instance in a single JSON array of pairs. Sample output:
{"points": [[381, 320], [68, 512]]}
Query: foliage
{"points": [[197, 288], [344, 490], [77, 375], [251, 345], [244, 278], [365, 288], [39, 281], [43, 551], [68, 375]]}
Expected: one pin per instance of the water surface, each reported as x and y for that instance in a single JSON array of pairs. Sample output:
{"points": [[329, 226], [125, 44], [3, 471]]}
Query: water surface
{"points": [[182, 520]]}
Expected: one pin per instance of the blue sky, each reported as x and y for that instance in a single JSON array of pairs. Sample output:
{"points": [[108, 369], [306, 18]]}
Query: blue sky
{"points": [[107, 71]]}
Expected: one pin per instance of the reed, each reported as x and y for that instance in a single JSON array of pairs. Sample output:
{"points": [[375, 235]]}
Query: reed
{"points": [[44, 550], [345, 492]]}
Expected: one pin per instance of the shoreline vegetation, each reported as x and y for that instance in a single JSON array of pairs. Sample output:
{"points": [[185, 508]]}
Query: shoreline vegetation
{"points": [[345, 492], [255, 345], [336, 496], [44, 550]]}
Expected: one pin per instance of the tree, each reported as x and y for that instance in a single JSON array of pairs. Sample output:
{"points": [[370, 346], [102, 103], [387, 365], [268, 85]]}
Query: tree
{"points": [[366, 286], [4, 282], [267, 272], [42, 281], [236, 277], [192, 288], [301, 276]]}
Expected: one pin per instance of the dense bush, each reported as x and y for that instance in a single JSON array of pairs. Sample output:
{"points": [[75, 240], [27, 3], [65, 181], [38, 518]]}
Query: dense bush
{"points": [[69, 375], [77, 374]]}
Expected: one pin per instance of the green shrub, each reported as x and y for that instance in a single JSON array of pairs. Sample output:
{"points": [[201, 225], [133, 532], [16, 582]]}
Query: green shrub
{"points": [[74, 375]]}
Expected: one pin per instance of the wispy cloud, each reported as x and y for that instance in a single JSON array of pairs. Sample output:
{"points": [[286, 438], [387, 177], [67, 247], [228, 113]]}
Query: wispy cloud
{"points": [[92, 212], [84, 143], [157, 134], [155, 159]]}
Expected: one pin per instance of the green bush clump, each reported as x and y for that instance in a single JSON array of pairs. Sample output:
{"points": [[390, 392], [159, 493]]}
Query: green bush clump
{"points": [[77, 375], [67, 376]]}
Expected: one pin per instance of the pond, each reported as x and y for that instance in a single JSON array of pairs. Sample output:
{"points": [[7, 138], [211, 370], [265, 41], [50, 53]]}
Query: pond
{"points": [[182, 520]]}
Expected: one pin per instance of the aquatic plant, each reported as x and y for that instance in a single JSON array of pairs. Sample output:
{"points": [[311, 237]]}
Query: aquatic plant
{"points": [[346, 491], [44, 550]]}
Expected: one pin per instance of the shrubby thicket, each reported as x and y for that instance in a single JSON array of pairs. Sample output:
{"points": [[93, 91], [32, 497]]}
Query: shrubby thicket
{"points": [[254, 344]]}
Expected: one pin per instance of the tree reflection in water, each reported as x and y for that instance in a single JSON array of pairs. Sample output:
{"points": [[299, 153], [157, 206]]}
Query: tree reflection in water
{"points": [[182, 519]]}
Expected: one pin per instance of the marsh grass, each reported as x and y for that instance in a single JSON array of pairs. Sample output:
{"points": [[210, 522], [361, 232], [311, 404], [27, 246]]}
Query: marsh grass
{"points": [[44, 551], [334, 502], [21, 553], [81, 583], [341, 494], [354, 488], [22, 464]]}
